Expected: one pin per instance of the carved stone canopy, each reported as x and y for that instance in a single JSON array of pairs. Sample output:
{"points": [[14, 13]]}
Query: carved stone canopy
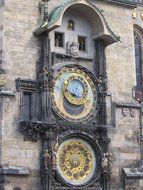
{"points": [[100, 27]]}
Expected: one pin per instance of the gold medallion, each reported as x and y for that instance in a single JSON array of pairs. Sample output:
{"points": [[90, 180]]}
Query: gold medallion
{"points": [[3, 79], [76, 161]]}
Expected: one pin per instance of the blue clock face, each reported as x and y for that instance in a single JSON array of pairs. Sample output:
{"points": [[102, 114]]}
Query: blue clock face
{"points": [[73, 95], [76, 88]]}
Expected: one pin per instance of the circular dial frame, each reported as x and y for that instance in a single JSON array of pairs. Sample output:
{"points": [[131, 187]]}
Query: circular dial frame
{"points": [[73, 95], [76, 161]]}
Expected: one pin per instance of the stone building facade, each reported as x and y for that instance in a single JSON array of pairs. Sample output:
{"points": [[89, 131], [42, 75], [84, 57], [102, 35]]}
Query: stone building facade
{"points": [[37, 40]]}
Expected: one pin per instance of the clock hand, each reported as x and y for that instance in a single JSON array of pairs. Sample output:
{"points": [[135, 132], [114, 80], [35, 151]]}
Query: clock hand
{"points": [[77, 94], [76, 89], [70, 91]]}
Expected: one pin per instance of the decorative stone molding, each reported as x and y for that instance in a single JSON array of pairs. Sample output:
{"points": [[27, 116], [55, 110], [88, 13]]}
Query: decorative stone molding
{"points": [[14, 170], [26, 85], [5, 93], [34, 130]]}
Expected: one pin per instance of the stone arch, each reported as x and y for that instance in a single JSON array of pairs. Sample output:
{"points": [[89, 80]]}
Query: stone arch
{"points": [[138, 44], [90, 12], [139, 30]]}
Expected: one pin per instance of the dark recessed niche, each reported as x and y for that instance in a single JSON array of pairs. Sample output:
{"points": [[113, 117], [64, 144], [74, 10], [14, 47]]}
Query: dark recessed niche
{"points": [[17, 188], [59, 39], [82, 43], [26, 106]]}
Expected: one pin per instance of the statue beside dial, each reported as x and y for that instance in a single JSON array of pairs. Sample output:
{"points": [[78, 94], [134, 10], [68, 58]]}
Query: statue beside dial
{"points": [[74, 95]]}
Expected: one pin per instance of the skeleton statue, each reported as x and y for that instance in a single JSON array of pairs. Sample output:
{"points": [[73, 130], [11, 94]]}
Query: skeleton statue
{"points": [[106, 163], [73, 49]]}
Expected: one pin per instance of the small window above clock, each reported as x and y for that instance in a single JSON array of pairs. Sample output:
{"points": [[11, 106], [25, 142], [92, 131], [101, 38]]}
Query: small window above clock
{"points": [[82, 43], [59, 39]]}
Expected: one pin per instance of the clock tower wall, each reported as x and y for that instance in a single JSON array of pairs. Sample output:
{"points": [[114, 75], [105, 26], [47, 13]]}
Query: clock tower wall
{"points": [[72, 43], [19, 52]]}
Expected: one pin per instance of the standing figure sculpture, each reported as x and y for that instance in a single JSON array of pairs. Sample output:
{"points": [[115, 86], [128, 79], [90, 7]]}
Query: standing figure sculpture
{"points": [[54, 154], [47, 158]]}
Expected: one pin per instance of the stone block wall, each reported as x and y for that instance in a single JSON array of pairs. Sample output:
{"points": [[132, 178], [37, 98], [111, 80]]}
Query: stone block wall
{"points": [[20, 56], [120, 56], [1, 28], [134, 184], [125, 144], [1, 50]]}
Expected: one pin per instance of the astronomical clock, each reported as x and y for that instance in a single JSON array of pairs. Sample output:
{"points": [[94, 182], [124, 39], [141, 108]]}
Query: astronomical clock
{"points": [[67, 103], [74, 103], [74, 95]]}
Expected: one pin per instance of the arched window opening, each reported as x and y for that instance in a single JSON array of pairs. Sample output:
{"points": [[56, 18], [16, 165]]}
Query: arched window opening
{"points": [[138, 61]]}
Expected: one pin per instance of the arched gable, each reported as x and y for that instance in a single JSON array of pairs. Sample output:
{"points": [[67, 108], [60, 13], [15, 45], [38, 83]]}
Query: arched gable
{"points": [[101, 30]]}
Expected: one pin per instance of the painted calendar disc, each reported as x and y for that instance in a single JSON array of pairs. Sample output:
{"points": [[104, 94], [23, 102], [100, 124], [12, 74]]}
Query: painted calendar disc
{"points": [[76, 161]]}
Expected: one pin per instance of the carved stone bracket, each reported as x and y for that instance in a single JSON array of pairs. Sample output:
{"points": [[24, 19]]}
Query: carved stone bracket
{"points": [[31, 130], [133, 172], [132, 177], [34, 130]]}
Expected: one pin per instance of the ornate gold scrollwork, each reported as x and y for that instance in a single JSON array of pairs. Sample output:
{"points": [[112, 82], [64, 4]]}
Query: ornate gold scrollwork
{"points": [[3, 80], [76, 161]]}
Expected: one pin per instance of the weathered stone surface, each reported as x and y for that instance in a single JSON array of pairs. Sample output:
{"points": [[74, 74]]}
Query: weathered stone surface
{"points": [[19, 55], [14, 170]]}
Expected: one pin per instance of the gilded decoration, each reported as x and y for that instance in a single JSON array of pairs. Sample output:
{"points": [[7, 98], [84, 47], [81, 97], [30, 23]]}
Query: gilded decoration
{"points": [[134, 13], [76, 161], [70, 25], [3, 79], [74, 95]]}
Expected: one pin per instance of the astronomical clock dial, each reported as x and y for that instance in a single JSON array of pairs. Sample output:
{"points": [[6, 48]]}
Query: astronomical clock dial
{"points": [[76, 161], [73, 95]]}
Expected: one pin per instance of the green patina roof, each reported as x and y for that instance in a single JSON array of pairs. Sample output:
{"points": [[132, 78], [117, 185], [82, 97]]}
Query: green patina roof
{"points": [[124, 2], [57, 12], [54, 15]]}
